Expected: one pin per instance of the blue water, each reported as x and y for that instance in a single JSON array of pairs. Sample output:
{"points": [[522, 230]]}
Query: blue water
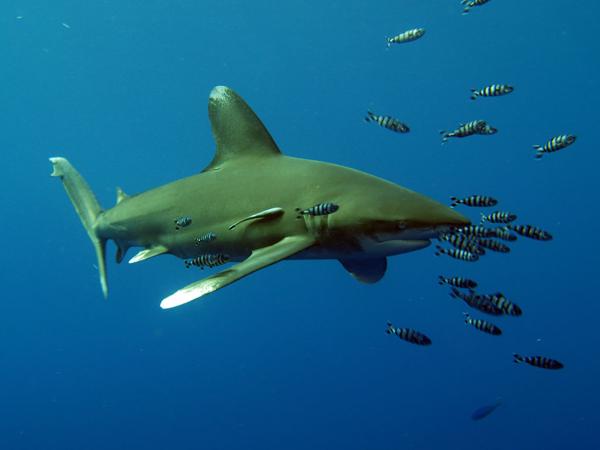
{"points": [[295, 356]]}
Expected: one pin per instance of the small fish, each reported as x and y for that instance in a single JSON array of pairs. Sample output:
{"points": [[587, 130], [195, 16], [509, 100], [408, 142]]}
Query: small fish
{"points": [[498, 217], [464, 130], [66, 25], [456, 253], [408, 335], [462, 242], [530, 231], [476, 301], [554, 144], [478, 201], [207, 260], [477, 231], [407, 36], [182, 222], [468, 4], [504, 234], [538, 361], [205, 238], [483, 325], [493, 90], [387, 122], [488, 129], [493, 245], [503, 304], [484, 411], [322, 209], [459, 282]]}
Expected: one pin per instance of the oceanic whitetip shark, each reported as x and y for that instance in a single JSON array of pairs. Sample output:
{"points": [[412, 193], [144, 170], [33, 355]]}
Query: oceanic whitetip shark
{"points": [[248, 199]]}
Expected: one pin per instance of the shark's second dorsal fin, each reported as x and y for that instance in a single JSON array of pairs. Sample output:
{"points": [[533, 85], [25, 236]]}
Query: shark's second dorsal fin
{"points": [[121, 195], [237, 130]]}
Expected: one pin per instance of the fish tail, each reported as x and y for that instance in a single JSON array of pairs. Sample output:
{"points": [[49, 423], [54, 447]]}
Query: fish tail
{"points": [[466, 316], [538, 155], [474, 94], [369, 116], [441, 279], [454, 202], [483, 218], [439, 250], [517, 358]]}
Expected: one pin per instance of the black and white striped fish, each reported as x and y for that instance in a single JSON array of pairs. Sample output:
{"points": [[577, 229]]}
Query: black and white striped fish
{"points": [[205, 238], [407, 36], [482, 325], [388, 122], [322, 209], [504, 234], [530, 231], [488, 129], [493, 245], [408, 334], [493, 90], [456, 253], [477, 201], [462, 242], [468, 4], [207, 260], [477, 231], [466, 129], [182, 222], [538, 361], [459, 282], [498, 217], [554, 144], [503, 304], [476, 301]]}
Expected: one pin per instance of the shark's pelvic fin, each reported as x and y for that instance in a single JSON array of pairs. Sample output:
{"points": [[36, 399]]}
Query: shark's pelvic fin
{"points": [[87, 207], [237, 130], [366, 270], [121, 195], [270, 213], [259, 259], [148, 253]]}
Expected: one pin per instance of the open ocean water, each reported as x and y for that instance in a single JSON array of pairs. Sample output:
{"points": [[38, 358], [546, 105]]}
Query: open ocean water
{"points": [[295, 356]]}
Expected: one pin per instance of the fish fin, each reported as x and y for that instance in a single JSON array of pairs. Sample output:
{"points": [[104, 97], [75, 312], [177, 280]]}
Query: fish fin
{"points": [[537, 147], [366, 270], [148, 253], [517, 358], [121, 195], [270, 213], [538, 155], [237, 130], [259, 259], [483, 218], [121, 250]]}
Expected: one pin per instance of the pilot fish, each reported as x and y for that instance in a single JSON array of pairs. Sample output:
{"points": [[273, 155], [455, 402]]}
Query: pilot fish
{"points": [[456, 253], [538, 361], [493, 245], [322, 209], [459, 282], [477, 301], [464, 130], [407, 36], [493, 90], [388, 122], [530, 231], [498, 217], [474, 200], [554, 144], [182, 222], [408, 334], [482, 325], [207, 260], [472, 3], [462, 242]]}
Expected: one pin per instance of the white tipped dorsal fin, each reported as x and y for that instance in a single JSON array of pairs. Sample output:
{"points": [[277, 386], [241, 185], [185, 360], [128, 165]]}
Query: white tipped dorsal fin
{"points": [[148, 253], [237, 130], [121, 195], [267, 213]]}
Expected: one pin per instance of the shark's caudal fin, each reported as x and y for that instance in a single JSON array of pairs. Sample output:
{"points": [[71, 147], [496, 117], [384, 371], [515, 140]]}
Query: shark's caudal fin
{"points": [[86, 206]]}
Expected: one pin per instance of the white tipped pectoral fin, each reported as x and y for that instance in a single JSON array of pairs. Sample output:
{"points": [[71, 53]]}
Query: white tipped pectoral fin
{"points": [[259, 259], [148, 253]]}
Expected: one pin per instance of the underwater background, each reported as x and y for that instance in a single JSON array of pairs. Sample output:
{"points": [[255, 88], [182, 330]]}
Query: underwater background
{"points": [[295, 356]]}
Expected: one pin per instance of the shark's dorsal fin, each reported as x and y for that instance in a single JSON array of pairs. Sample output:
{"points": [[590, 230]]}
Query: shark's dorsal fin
{"points": [[237, 130], [121, 195], [259, 259], [366, 270], [148, 253]]}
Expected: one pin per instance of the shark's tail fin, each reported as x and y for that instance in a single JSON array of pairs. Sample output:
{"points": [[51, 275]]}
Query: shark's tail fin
{"points": [[87, 209]]}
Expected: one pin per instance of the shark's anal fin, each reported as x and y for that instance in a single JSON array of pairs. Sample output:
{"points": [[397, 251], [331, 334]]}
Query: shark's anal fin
{"points": [[270, 213], [148, 253], [259, 259], [366, 270]]}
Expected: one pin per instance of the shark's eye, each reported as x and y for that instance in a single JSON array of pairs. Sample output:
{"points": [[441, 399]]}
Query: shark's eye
{"points": [[401, 225]]}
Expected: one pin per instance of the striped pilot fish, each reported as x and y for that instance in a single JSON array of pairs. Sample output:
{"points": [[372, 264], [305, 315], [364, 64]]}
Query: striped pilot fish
{"points": [[493, 90], [488, 129], [493, 245], [498, 217], [468, 4], [407, 36], [503, 304], [483, 325], [182, 222], [554, 144], [207, 260], [408, 334], [476, 301], [538, 361], [205, 238], [388, 122], [457, 253], [474, 200], [477, 231], [504, 234], [465, 129], [530, 231], [462, 242], [459, 282], [322, 209]]}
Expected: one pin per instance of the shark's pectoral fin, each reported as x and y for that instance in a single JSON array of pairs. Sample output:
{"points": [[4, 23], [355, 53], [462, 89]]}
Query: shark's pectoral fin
{"points": [[259, 259], [148, 253], [270, 213], [366, 270]]}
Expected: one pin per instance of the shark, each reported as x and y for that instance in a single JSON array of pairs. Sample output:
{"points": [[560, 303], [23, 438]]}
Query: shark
{"points": [[259, 207]]}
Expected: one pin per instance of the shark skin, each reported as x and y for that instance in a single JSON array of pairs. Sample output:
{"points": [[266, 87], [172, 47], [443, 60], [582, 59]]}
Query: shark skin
{"points": [[248, 197]]}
